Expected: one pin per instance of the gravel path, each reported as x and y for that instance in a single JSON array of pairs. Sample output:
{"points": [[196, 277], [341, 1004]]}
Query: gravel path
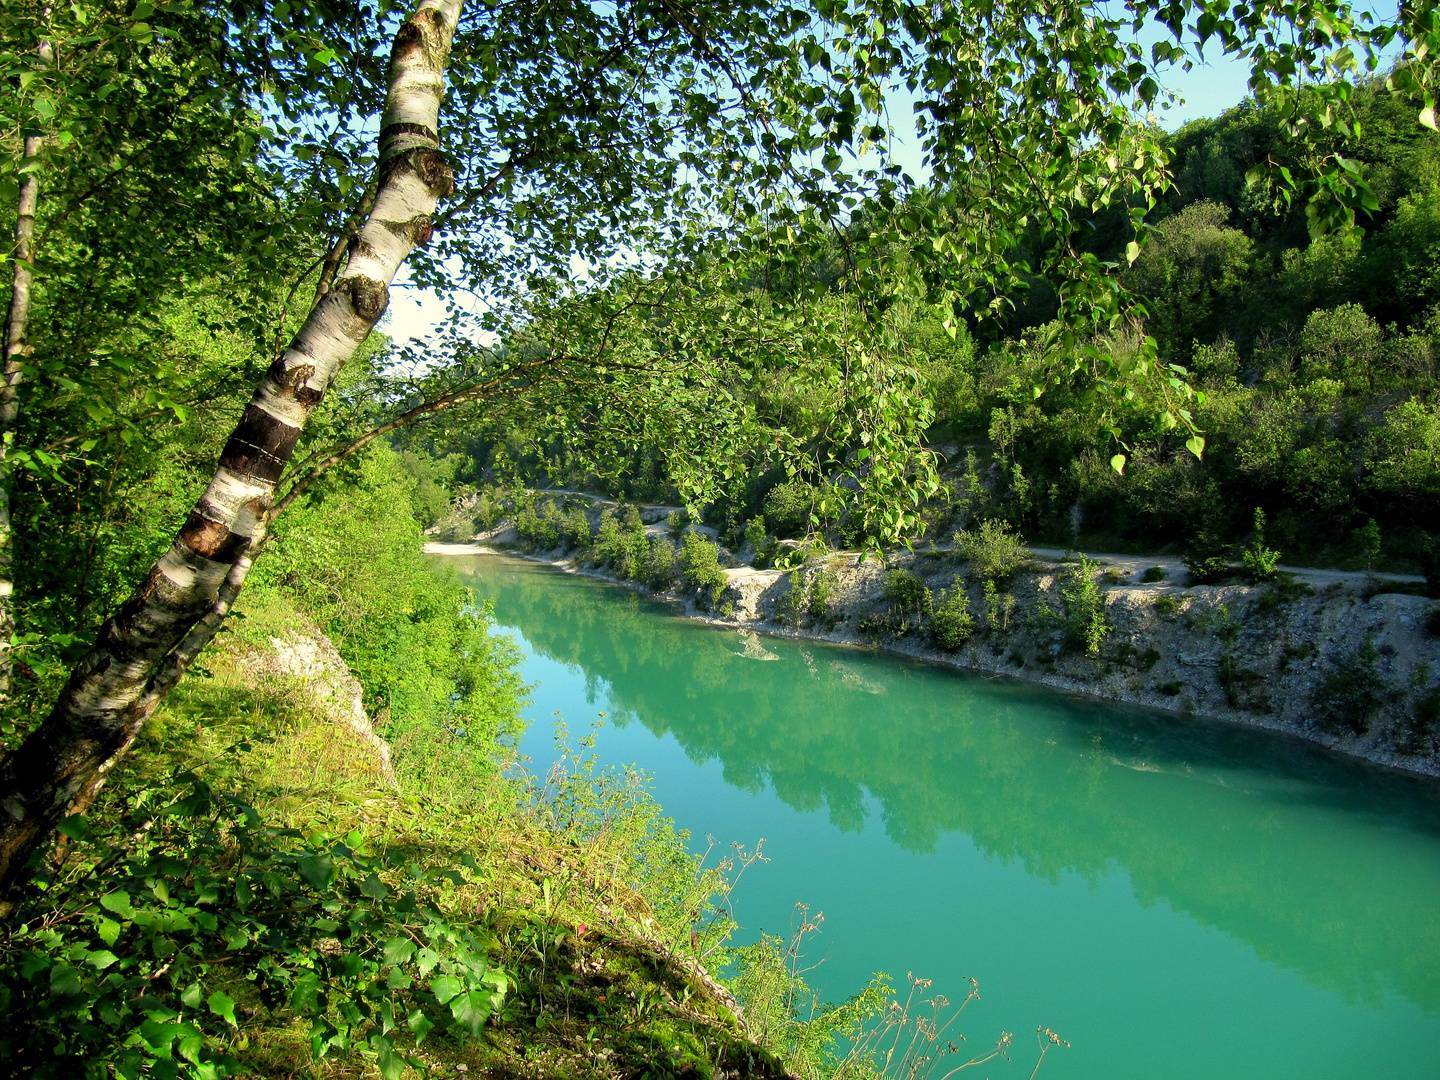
{"points": [[1176, 573]]}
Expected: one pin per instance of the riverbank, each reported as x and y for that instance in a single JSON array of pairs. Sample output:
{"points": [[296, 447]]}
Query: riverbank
{"points": [[1346, 665]]}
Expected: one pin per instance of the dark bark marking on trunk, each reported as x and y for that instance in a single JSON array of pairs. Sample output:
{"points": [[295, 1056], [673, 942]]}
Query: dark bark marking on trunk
{"points": [[260, 447], [390, 131], [435, 172], [212, 539], [430, 165], [410, 38], [360, 248], [369, 300], [417, 230]]}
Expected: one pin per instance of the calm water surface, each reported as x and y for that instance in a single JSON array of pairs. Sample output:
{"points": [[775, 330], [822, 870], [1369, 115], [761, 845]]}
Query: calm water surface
{"points": [[1178, 899]]}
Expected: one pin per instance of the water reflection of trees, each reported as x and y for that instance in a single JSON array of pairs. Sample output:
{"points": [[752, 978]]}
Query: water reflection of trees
{"points": [[1326, 867]]}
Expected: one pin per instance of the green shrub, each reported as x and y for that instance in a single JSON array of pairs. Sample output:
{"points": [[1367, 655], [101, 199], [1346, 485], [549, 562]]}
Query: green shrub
{"points": [[699, 563], [676, 522], [994, 550], [1207, 557], [1259, 561], [1153, 574], [575, 529], [1348, 697], [905, 590], [951, 624], [788, 508], [657, 567], [998, 608], [820, 595], [620, 542], [455, 528], [1244, 688], [539, 525], [791, 606], [1367, 542], [1165, 605], [1085, 623], [489, 509], [754, 535], [1417, 730]]}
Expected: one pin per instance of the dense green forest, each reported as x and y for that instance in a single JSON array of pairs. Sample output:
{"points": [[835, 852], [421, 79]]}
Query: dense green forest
{"points": [[707, 279], [1316, 357]]}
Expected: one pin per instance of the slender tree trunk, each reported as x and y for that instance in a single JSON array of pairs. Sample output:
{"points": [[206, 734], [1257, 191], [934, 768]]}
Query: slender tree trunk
{"points": [[144, 646], [17, 347]]}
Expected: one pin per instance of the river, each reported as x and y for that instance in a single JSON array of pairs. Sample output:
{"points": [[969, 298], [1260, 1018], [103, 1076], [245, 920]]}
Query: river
{"points": [[1177, 898]]}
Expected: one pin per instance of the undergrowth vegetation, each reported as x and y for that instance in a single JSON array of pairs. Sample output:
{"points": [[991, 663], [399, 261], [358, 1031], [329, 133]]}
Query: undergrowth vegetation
{"points": [[256, 892]]}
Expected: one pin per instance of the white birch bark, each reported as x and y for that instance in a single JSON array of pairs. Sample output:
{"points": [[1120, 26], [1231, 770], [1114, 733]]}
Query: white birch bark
{"points": [[17, 346], [144, 646]]}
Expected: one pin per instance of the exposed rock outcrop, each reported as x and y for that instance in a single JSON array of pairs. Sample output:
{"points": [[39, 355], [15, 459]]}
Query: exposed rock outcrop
{"points": [[310, 659], [1347, 664]]}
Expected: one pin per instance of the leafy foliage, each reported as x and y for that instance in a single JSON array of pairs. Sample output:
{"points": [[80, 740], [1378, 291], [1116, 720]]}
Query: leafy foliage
{"points": [[1348, 696], [951, 624], [699, 565], [994, 549], [1086, 625], [139, 962]]}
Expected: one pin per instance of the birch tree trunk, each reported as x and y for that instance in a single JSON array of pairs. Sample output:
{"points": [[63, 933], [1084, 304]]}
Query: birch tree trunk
{"points": [[143, 647], [17, 346]]}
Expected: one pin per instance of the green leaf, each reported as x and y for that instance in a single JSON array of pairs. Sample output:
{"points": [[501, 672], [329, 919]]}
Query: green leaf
{"points": [[471, 1010], [390, 1064], [191, 1047], [75, 827], [317, 870], [1118, 463], [118, 902], [1132, 252], [1427, 117], [445, 987], [1196, 445], [223, 1006], [374, 888], [398, 950], [420, 1024], [305, 995]]}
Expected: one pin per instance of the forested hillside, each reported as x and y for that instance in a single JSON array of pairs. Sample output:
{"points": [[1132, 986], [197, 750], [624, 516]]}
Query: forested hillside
{"points": [[1317, 358]]}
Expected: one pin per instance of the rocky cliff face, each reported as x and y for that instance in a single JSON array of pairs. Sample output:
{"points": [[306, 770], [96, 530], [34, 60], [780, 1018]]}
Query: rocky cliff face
{"points": [[1354, 669], [1339, 662]]}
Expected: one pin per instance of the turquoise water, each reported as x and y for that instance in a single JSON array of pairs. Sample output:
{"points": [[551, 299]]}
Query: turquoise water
{"points": [[1178, 899]]}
